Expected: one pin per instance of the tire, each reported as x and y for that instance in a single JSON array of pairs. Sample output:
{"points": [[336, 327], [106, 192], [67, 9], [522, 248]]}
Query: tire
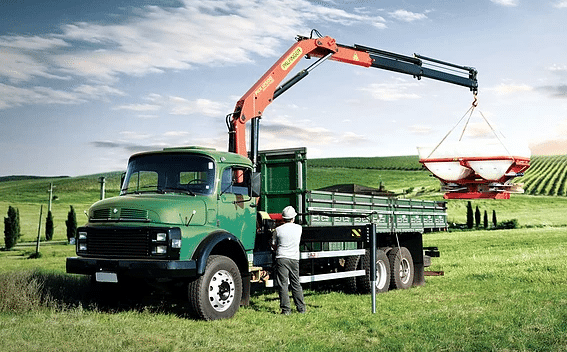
{"points": [[364, 284], [401, 268], [351, 263], [217, 293]]}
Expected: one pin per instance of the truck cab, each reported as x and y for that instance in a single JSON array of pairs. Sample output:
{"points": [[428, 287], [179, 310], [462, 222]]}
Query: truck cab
{"points": [[177, 208]]}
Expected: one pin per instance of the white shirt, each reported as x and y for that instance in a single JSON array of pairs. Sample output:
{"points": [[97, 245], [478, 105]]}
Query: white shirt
{"points": [[287, 238]]}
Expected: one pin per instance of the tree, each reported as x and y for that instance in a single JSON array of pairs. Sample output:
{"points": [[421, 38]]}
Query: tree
{"points": [[49, 227], [71, 223], [477, 217], [494, 222], [485, 219], [470, 218], [12, 227]]}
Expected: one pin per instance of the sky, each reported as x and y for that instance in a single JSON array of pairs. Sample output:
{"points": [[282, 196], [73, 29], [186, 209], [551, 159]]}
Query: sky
{"points": [[85, 84]]}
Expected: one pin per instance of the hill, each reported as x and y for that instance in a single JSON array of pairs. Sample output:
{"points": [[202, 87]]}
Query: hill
{"points": [[546, 176], [406, 162], [25, 177], [542, 205]]}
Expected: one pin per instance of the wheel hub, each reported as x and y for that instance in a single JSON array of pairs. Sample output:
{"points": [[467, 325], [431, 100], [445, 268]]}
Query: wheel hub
{"points": [[404, 270], [221, 290]]}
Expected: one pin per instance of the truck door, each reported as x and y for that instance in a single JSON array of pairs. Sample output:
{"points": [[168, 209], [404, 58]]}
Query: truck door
{"points": [[237, 209]]}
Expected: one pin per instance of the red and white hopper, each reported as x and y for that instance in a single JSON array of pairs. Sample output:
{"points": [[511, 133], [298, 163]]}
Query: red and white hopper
{"points": [[477, 168]]}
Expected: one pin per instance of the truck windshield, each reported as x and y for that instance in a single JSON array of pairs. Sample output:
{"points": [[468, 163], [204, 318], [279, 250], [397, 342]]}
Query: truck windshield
{"points": [[176, 173]]}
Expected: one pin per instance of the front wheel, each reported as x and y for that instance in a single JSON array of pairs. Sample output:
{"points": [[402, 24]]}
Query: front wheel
{"points": [[217, 293]]}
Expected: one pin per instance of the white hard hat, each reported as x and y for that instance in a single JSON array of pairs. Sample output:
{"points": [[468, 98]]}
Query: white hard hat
{"points": [[288, 212]]}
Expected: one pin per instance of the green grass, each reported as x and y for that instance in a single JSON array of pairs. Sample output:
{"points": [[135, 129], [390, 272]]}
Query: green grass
{"points": [[546, 176], [407, 162], [502, 291], [29, 194], [394, 180]]}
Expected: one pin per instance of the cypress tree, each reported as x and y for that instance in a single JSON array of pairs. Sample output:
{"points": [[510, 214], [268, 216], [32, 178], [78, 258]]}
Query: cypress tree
{"points": [[49, 227], [470, 218], [494, 222], [71, 223], [477, 217], [485, 219], [12, 227]]}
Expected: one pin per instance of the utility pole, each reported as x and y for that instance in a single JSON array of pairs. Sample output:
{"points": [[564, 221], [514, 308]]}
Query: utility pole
{"points": [[39, 230], [50, 194], [102, 184]]}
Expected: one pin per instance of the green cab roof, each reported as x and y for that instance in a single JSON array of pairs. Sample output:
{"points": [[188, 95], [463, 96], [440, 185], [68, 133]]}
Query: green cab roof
{"points": [[218, 156]]}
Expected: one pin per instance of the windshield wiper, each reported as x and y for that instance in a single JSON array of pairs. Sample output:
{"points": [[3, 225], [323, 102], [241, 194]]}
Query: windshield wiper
{"points": [[180, 190]]}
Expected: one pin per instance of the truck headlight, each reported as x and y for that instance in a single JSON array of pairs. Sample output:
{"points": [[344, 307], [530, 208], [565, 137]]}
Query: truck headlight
{"points": [[160, 250], [81, 241], [161, 237], [176, 243]]}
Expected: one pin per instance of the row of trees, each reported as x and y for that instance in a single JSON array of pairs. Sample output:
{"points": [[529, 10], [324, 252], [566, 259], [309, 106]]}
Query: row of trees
{"points": [[12, 226], [474, 220]]}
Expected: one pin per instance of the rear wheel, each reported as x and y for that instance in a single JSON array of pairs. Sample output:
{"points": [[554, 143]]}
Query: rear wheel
{"points": [[401, 268], [217, 293], [351, 263], [382, 273]]}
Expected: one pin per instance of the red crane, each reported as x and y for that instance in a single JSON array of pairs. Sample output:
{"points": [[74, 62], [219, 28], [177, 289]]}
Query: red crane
{"points": [[252, 104]]}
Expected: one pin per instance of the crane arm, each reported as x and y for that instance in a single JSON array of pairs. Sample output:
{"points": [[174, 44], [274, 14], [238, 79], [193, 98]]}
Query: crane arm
{"points": [[267, 88]]}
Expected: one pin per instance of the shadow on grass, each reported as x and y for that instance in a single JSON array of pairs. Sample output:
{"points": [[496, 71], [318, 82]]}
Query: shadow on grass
{"points": [[25, 291], [33, 290]]}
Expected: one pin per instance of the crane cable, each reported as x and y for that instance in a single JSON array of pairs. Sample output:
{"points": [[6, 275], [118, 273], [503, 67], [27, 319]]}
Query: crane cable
{"points": [[469, 112], [471, 109]]}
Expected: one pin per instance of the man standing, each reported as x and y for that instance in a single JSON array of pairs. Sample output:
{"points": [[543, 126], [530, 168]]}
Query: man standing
{"points": [[286, 241]]}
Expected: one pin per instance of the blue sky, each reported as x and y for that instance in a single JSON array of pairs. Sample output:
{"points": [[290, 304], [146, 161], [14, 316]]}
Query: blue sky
{"points": [[84, 84]]}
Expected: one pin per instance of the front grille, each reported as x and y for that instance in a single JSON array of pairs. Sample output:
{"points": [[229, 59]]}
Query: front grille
{"points": [[133, 214], [102, 214], [132, 243]]}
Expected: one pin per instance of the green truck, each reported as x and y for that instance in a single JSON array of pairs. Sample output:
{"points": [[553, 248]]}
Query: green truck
{"points": [[199, 221], [191, 218]]}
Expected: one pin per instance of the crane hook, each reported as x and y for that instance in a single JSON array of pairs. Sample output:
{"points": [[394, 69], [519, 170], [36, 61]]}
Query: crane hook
{"points": [[475, 101]]}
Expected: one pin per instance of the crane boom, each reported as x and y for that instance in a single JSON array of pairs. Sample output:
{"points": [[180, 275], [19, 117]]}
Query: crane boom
{"points": [[252, 104]]}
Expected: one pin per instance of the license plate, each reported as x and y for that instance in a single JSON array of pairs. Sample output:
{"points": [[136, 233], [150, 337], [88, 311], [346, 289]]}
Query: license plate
{"points": [[102, 276]]}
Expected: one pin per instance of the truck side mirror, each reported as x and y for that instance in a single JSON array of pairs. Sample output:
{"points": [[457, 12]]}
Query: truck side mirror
{"points": [[256, 184], [122, 178]]}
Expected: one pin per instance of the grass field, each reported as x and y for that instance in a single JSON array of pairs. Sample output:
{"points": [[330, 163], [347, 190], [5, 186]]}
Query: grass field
{"points": [[503, 290]]}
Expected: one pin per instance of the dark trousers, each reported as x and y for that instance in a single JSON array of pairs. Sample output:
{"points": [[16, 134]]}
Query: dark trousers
{"points": [[289, 269]]}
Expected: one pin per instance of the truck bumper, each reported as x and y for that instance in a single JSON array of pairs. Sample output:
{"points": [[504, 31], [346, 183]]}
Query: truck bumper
{"points": [[133, 268]]}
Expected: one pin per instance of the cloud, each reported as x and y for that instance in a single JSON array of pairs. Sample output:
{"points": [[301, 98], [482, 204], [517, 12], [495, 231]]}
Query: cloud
{"points": [[549, 147], [420, 129], [128, 142], [560, 4], [407, 16], [181, 106], [506, 3], [285, 133], [19, 67], [505, 89], [391, 91], [154, 39], [175, 106], [31, 42], [12, 96], [195, 34], [558, 91], [138, 107]]}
